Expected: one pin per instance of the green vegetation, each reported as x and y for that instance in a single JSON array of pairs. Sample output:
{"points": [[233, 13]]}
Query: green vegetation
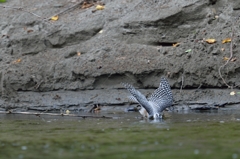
{"points": [[119, 138]]}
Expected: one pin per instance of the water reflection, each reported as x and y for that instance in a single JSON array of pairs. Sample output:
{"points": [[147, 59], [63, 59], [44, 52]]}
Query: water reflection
{"points": [[222, 114]]}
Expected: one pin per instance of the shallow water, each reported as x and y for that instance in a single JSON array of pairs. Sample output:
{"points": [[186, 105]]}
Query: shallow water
{"points": [[184, 135]]}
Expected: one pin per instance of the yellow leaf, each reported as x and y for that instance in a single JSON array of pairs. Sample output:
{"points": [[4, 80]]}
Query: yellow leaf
{"points": [[227, 40], [100, 7], [225, 58], [232, 93], [210, 41], [54, 18], [175, 45], [17, 61]]}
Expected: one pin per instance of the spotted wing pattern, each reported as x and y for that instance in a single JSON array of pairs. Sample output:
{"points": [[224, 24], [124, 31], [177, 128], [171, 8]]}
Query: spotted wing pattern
{"points": [[162, 96], [132, 99], [158, 101], [140, 98]]}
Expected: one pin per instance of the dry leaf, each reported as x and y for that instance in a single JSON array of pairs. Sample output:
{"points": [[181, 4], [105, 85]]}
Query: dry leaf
{"points": [[227, 40], [17, 61], [232, 93], [99, 7], [225, 58], [210, 41], [222, 49], [97, 108], [55, 18], [189, 50], [175, 45], [233, 59], [86, 5], [78, 53], [30, 30]]}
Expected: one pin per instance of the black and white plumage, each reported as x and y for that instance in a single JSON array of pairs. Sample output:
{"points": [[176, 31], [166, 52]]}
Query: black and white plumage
{"points": [[156, 103]]}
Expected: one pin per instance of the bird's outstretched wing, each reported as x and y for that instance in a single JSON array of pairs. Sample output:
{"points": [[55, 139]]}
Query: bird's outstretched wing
{"points": [[132, 99], [139, 97], [162, 96]]}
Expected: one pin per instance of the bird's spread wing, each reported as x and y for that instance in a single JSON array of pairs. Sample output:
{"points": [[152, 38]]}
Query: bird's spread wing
{"points": [[132, 99], [162, 97], [141, 99]]}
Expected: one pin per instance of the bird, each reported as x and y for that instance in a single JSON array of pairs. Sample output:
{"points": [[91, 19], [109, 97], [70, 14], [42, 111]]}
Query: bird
{"points": [[153, 106]]}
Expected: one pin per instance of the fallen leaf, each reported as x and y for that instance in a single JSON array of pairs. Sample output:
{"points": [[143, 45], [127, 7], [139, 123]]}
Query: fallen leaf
{"points": [[96, 109], [86, 5], [56, 97], [100, 32], [222, 49], [175, 45], [55, 18], [225, 58], [78, 53], [210, 41], [99, 7], [17, 61], [30, 30], [189, 50], [227, 40], [233, 59], [232, 93]]}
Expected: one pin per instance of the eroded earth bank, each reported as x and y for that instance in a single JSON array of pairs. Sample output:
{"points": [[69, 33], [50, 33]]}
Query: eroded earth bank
{"points": [[82, 58]]}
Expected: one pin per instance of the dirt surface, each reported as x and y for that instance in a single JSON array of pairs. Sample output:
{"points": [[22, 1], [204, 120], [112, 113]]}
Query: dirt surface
{"points": [[81, 59]]}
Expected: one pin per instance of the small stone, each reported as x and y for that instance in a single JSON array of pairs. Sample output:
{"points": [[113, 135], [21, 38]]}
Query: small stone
{"points": [[234, 156], [24, 148], [196, 152]]}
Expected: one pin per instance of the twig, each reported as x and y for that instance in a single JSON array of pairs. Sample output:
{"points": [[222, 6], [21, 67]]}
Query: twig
{"points": [[182, 84], [199, 86], [67, 9], [231, 55], [38, 84]]}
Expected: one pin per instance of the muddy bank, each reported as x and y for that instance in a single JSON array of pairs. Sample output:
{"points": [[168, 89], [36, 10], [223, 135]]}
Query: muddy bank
{"points": [[82, 58]]}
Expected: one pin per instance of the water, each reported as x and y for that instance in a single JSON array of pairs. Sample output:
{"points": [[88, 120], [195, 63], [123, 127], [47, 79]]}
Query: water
{"points": [[182, 135]]}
